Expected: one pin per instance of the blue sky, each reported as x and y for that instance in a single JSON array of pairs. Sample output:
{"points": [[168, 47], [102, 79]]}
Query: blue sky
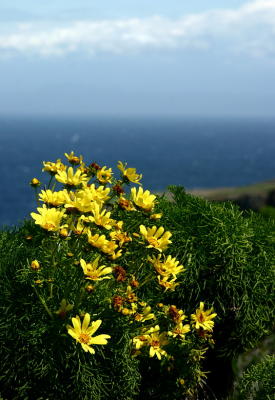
{"points": [[125, 57]]}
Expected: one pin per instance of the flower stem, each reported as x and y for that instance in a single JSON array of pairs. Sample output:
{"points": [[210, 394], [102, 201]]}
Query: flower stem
{"points": [[42, 301]]}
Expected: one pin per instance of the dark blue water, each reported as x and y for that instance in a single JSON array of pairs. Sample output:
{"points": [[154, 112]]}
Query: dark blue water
{"points": [[190, 152]]}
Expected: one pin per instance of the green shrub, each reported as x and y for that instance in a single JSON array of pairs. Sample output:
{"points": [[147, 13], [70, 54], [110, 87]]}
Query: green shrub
{"points": [[229, 263], [228, 260], [268, 211], [258, 381], [85, 311]]}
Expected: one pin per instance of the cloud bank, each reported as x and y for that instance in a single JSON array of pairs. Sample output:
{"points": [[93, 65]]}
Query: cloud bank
{"points": [[249, 29]]}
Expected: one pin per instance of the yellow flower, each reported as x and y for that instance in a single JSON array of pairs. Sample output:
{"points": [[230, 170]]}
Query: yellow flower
{"points": [[73, 159], [144, 200], [53, 198], [64, 232], [129, 173], [104, 175], [78, 200], [49, 218], [180, 330], [35, 182], [169, 266], [145, 314], [82, 333], [202, 319], [70, 178], [101, 217], [115, 255], [130, 296], [155, 340], [155, 216], [35, 265], [176, 314], [120, 237], [52, 167], [64, 308], [97, 240], [126, 204], [109, 248], [94, 272], [98, 194], [80, 227], [156, 237], [140, 341], [168, 285]]}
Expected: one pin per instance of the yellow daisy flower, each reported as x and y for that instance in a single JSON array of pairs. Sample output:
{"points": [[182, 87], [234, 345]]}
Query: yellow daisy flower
{"points": [[52, 167], [98, 194], [104, 175], [169, 266], [203, 319], [79, 200], [155, 340], [53, 198], [80, 227], [144, 200], [120, 237], [70, 178], [94, 272], [83, 333], [145, 314], [156, 237], [73, 159], [129, 173], [101, 217], [109, 248], [176, 314], [168, 285], [97, 240], [140, 341], [126, 204], [49, 218], [180, 330]]}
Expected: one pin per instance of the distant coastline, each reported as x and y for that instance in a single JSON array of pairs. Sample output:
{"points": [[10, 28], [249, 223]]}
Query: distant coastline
{"points": [[253, 196]]}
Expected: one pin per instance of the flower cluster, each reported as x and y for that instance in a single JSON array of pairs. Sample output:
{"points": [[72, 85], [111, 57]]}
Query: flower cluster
{"points": [[115, 263]]}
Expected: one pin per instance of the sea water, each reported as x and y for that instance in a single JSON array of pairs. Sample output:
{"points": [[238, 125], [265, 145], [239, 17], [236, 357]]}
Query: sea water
{"points": [[192, 152]]}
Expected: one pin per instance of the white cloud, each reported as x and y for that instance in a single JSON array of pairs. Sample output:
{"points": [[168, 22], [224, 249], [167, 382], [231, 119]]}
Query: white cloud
{"points": [[249, 29]]}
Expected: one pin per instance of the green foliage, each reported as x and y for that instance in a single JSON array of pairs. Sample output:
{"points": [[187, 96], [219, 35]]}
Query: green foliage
{"points": [[229, 264], [62, 270], [268, 211], [258, 381], [38, 358]]}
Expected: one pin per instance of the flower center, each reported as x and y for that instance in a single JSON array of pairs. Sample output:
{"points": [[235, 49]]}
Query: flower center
{"points": [[49, 226], [153, 241], [93, 275], [201, 317], [84, 338], [155, 343]]}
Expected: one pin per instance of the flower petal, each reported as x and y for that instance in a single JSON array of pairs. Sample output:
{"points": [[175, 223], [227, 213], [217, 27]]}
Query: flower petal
{"points": [[86, 322], [100, 339]]}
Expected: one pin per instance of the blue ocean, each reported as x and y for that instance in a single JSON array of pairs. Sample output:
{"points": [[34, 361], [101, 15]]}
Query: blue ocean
{"points": [[193, 152]]}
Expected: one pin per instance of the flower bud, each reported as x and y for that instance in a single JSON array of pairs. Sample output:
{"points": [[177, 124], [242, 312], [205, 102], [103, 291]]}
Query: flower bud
{"points": [[63, 232], [35, 265], [89, 288], [35, 182]]}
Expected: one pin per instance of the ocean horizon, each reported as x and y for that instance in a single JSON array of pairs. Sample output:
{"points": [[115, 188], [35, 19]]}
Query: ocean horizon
{"points": [[191, 152]]}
